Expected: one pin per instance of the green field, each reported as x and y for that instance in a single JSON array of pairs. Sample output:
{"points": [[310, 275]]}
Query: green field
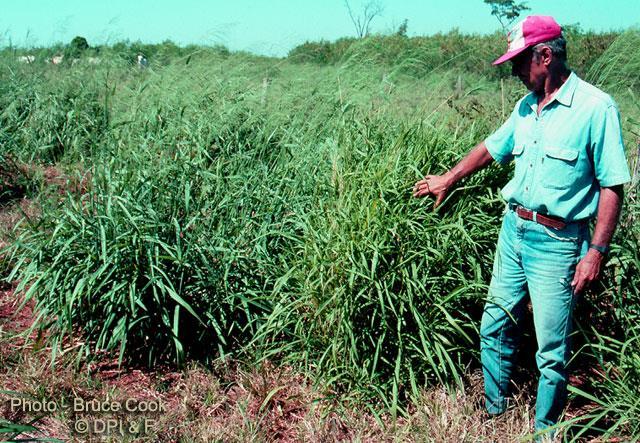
{"points": [[223, 206]]}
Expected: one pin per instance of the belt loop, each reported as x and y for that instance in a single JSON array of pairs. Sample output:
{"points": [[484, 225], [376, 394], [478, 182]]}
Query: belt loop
{"points": [[535, 216]]}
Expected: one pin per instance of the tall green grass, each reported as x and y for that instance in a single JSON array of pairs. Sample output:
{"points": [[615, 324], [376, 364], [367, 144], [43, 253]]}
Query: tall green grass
{"points": [[262, 209], [213, 207], [171, 247], [460, 52], [379, 294]]}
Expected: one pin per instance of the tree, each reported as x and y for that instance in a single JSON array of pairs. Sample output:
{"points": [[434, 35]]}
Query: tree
{"points": [[402, 29], [506, 11], [77, 46], [79, 43], [362, 22]]}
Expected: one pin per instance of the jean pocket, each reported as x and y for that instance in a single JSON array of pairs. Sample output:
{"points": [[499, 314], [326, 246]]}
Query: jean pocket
{"points": [[564, 235]]}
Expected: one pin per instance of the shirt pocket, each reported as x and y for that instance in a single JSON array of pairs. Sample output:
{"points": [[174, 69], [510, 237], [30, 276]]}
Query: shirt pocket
{"points": [[559, 167], [518, 158], [517, 150]]}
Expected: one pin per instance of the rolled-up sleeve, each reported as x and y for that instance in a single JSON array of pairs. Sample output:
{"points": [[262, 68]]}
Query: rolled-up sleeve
{"points": [[609, 160], [500, 143]]}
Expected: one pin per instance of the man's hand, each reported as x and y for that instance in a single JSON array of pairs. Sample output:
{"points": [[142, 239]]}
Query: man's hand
{"points": [[439, 185], [587, 271], [436, 185]]}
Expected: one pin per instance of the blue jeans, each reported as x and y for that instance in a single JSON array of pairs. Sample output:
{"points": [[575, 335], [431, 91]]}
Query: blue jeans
{"points": [[536, 262]]}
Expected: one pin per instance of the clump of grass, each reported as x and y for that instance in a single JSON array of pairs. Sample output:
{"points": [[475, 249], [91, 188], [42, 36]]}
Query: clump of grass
{"points": [[47, 119], [616, 410], [379, 295], [149, 259]]}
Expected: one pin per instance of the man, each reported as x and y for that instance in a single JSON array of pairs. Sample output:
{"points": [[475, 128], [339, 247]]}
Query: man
{"points": [[570, 165]]}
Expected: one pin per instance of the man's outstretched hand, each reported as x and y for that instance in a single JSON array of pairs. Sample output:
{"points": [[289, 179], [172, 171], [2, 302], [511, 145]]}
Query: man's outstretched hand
{"points": [[435, 185], [439, 185]]}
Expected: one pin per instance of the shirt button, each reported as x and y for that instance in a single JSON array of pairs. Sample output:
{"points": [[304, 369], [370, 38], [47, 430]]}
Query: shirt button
{"points": [[531, 165], [535, 141], [526, 188]]}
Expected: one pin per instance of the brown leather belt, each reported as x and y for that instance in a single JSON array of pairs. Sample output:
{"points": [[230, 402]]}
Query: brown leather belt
{"points": [[545, 220]]}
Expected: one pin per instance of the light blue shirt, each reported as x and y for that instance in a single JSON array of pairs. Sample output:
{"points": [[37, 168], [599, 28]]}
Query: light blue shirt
{"points": [[564, 155]]}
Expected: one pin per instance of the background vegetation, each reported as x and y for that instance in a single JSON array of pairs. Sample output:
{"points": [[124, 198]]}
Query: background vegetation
{"points": [[227, 205]]}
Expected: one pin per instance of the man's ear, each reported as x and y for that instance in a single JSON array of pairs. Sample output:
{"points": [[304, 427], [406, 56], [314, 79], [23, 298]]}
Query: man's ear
{"points": [[546, 56]]}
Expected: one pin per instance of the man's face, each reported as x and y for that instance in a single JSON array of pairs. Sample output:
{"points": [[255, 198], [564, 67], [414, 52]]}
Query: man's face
{"points": [[529, 68]]}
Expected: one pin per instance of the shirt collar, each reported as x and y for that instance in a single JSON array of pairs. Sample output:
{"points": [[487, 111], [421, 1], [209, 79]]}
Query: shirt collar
{"points": [[531, 100], [564, 95], [566, 91]]}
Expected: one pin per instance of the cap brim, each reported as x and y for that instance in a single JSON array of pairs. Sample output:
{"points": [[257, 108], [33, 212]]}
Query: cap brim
{"points": [[508, 56]]}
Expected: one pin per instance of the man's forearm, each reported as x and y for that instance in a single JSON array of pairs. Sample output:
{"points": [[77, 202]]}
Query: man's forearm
{"points": [[609, 206], [476, 159]]}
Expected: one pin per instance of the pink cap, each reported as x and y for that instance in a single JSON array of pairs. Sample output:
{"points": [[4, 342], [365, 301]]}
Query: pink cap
{"points": [[529, 32]]}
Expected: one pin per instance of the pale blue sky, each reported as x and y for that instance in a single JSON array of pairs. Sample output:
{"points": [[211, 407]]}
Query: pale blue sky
{"points": [[270, 27]]}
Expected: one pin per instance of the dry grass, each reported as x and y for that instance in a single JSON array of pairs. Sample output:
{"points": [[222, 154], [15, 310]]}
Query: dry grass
{"points": [[460, 416]]}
